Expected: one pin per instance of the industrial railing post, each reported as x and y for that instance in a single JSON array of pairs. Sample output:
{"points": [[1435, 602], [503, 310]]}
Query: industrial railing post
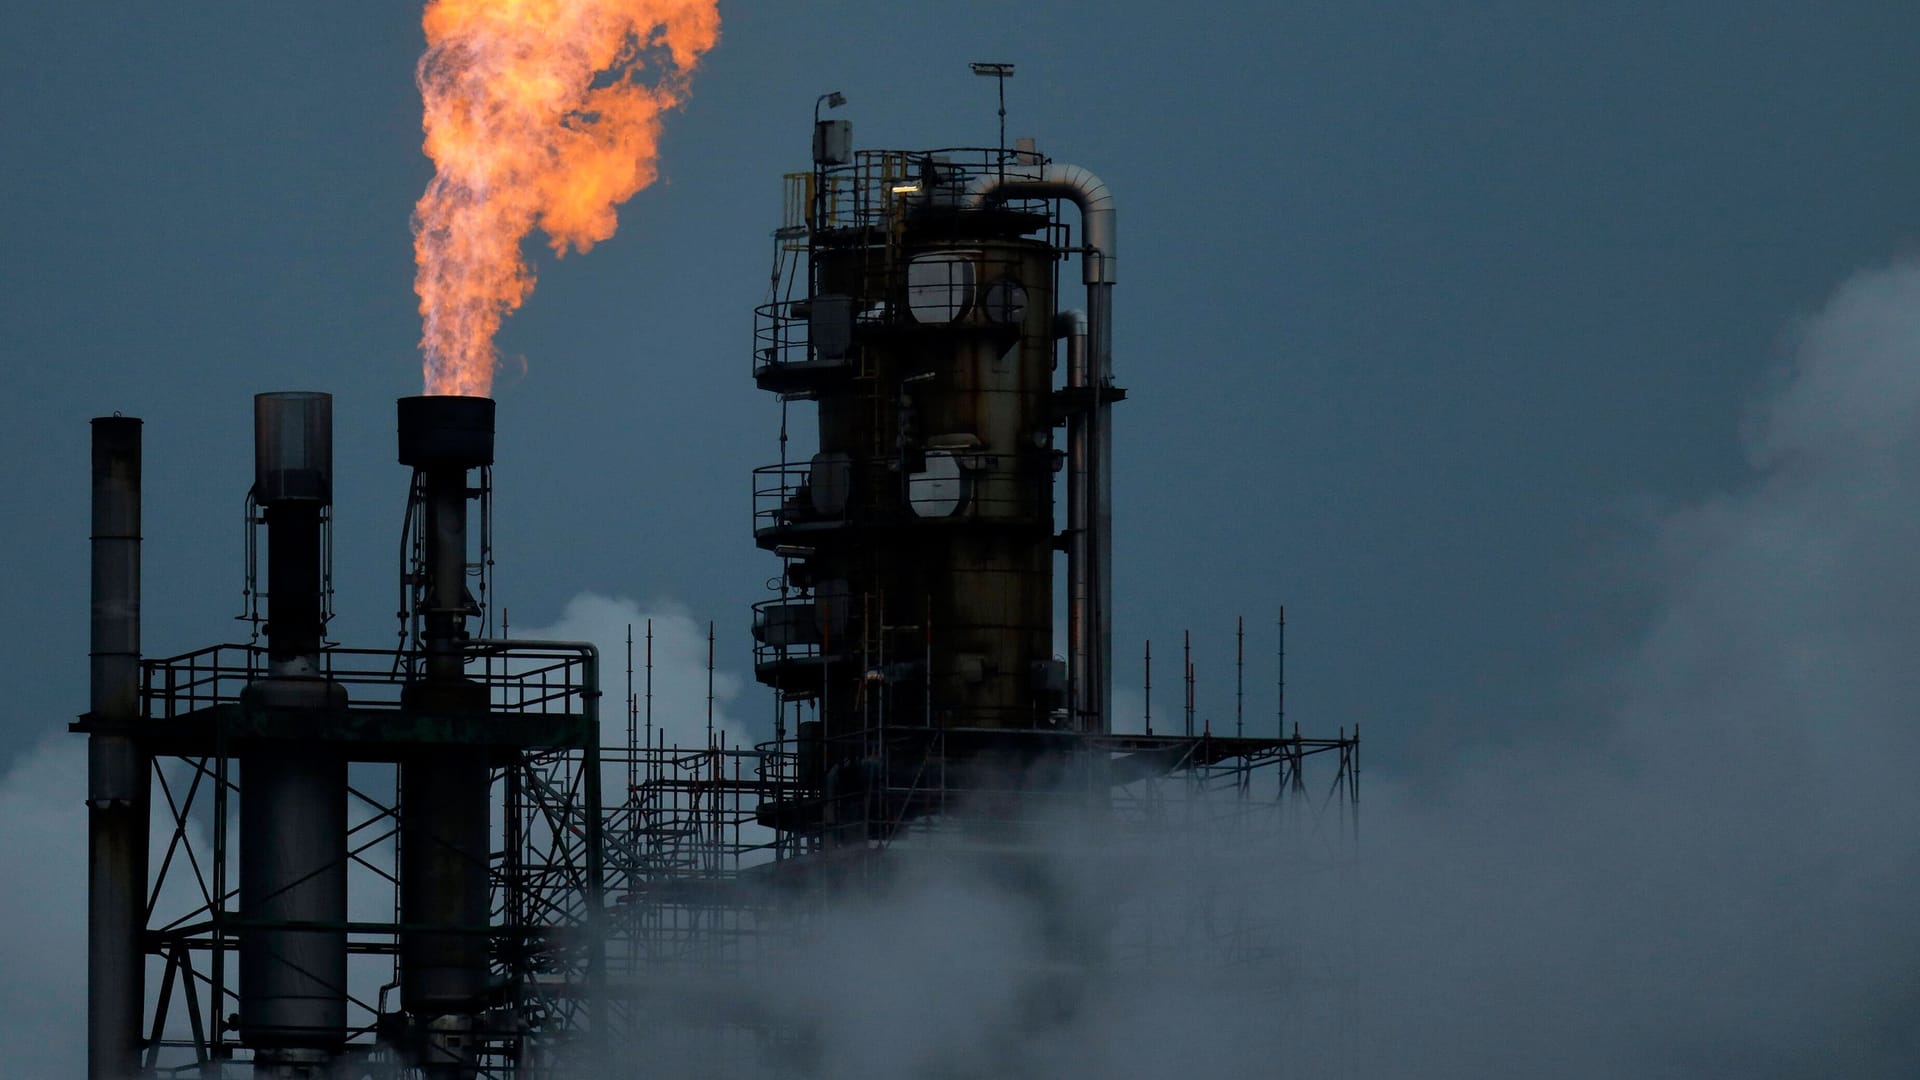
{"points": [[598, 1017]]}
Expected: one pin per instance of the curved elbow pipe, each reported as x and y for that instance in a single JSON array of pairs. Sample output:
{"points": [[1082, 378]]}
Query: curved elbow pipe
{"points": [[1053, 181]]}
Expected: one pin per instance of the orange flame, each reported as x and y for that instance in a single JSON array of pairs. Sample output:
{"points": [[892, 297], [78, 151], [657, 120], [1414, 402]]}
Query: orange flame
{"points": [[534, 115]]}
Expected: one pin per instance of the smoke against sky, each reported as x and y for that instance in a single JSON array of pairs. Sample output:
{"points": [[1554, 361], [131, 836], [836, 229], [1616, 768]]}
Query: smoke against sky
{"points": [[43, 839], [1584, 223], [679, 667], [1715, 878], [1712, 877]]}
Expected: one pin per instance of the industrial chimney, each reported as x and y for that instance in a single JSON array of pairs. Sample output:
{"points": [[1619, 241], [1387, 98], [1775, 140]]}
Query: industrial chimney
{"points": [[444, 788], [118, 785], [293, 795]]}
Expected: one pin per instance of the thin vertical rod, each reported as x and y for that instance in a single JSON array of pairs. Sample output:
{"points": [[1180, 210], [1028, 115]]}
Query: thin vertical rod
{"points": [[597, 1007], [710, 684], [1148, 693], [1206, 722], [1280, 696], [1186, 659], [1239, 675], [633, 725], [1002, 80]]}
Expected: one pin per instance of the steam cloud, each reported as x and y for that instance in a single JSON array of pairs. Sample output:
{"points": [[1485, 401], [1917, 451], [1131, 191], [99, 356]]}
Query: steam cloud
{"points": [[1711, 874], [1719, 881], [1716, 876], [679, 667], [43, 846]]}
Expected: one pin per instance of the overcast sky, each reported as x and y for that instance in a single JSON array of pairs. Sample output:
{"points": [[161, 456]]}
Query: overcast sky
{"points": [[1426, 309]]}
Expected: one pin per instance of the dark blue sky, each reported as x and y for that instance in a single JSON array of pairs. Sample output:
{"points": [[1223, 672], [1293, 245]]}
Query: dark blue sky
{"points": [[1427, 311]]}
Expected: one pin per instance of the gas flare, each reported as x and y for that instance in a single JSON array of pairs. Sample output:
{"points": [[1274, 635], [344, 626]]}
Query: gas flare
{"points": [[536, 113]]}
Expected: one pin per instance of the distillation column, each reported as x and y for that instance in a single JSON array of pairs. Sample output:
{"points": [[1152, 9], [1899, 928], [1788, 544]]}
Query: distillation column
{"points": [[444, 827], [293, 793]]}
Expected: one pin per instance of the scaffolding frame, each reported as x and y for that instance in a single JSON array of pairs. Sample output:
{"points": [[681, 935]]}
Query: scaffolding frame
{"points": [[709, 893], [546, 871]]}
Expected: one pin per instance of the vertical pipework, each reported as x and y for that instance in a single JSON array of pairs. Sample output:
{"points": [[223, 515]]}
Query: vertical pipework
{"points": [[444, 491], [1100, 498], [1072, 325], [117, 777], [444, 839], [1099, 232], [293, 794]]}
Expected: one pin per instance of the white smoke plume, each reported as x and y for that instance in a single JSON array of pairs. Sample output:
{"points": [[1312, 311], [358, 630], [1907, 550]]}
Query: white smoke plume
{"points": [[1714, 876], [679, 666], [1711, 871], [43, 948], [1718, 879]]}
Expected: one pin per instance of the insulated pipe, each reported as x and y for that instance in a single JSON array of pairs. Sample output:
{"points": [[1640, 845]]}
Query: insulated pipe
{"points": [[117, 775], [1097, 269], [293, 795], [1100, 505], [1056, 181], [1072, 325], [444, 826]]}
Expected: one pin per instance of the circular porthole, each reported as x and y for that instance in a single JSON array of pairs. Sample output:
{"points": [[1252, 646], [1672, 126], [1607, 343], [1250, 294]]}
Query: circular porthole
{"points": [[940, 286], [1005, 302]]}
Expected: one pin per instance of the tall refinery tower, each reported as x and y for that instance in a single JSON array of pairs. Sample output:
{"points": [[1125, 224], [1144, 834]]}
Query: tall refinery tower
{"points": [[923, 329], [918, 543]]}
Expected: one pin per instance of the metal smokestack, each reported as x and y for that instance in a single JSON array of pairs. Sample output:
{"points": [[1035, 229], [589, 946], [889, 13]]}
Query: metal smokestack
{"points": [[117, 774], [293, 485], [444, 839], [293, 795]]}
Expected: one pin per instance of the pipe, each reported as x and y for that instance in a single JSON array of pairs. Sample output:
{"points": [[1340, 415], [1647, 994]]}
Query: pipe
{"points": [[1072, 325], [293, 796], [444, 827], [117, 772], [1099, 254], [1100, 502], [443, 639], [1098, 231]]}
